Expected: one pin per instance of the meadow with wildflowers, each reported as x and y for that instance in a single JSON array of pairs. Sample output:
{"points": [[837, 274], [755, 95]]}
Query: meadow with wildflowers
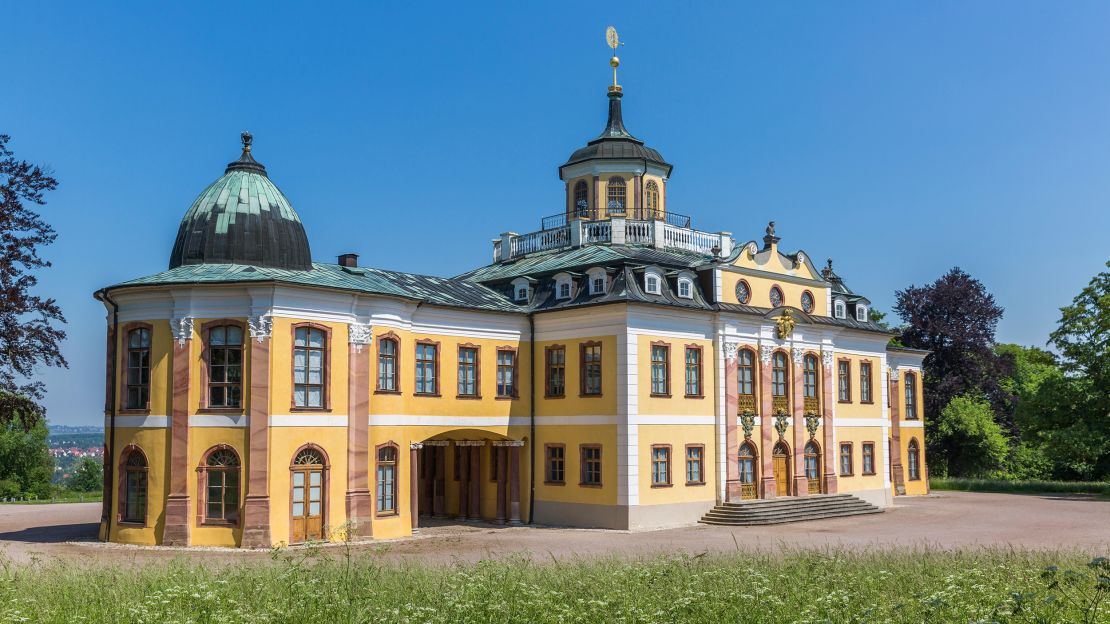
{"points": [[335, 585]]}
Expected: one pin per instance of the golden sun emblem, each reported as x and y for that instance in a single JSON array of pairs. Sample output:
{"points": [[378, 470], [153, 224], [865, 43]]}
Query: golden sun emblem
{"points": [[784, 325]]}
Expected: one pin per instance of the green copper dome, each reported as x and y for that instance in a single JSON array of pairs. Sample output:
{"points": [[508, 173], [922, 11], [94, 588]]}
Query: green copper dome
{"points": [[242, 218]]}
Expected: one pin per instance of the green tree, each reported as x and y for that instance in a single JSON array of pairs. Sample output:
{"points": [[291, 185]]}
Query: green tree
{"points": [[88, 476], [25, 459], [977, 446]]}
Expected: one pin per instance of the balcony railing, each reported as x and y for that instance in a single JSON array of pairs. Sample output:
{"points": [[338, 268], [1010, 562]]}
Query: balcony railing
{"points": [[644, 214], [658, 234]]}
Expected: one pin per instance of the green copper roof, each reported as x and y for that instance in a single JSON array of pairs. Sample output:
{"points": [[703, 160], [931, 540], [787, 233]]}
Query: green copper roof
{"points": [[242, 218], [433, 290]]}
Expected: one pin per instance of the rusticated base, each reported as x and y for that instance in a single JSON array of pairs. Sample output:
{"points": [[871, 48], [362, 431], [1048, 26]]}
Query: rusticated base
{"points": [[360, 511], [767, 487], [899, 479], [256, 522], [830, 484], [801, 486], [176, 532]]}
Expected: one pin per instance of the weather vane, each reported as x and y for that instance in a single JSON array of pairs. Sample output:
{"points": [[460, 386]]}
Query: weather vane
{"points": [[613, 41]]}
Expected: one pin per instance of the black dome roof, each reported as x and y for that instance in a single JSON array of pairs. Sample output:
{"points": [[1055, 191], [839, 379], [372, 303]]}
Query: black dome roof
{"points": [[242, 218], [615, 142]]}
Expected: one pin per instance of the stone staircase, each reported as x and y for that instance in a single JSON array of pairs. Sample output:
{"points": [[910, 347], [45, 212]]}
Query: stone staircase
{"points": [[780, 510]]}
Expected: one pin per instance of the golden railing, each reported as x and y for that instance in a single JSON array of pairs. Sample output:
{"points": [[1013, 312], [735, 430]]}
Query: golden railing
{"points": [[814, 486], [747, 491], [780, 403], [812, 404], [745, 403]]}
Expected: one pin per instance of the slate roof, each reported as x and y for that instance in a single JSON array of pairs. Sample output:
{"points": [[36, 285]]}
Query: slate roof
{"points": [[583, 257], [616, 143], [433, 290], [802, 317], [625, 288]]}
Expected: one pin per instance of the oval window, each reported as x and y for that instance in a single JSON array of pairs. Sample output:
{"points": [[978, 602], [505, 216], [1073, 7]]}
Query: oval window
{"points": [[776, 296], [743, 292], [807, 302]]}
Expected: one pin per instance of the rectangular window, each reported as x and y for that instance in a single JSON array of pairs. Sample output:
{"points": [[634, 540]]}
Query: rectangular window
{"points": [[911, 396], [693, 371], [695, 464], [225, 366], [660, 465], [138, 368], [591, 369], [427, 358], [556, 371], [506, 373], [591, 465], [387, 365], [868, 458], [844, 382], [468, 371], [555, 459], [597, 285], [660, 365], [745, 373], [865, 382], [845, 459], [387, 480], [308, 367]]}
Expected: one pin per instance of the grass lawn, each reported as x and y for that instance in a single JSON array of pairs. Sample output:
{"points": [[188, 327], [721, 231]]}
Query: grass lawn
{"points": [[1101, 488], [330, 586], [61, 497]]}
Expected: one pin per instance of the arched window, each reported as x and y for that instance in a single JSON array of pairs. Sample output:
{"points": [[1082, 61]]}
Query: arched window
{"points": [[309, 367], [778, 374], [651, 199], [807, 302], [861, 313], [581, 198], [219, 486], [745, 373], [776, 296], [746, 458], [838, 309], [387, 479], [138, 368], [910, 381], [813, 467], [133, 501], [913, 456], [225, 366], [387, 365], [809, 377], [616, 194]]}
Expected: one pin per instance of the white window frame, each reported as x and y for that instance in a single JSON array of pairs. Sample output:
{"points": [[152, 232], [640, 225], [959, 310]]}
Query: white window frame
{"points": [[688, 282], [839, 309], [658, 277], [861, 311], [593, 276], [563, 280], [521, 284]]}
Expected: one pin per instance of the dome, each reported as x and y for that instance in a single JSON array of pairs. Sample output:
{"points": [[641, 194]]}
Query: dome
{"points": [[615, 142], [242, 218]]}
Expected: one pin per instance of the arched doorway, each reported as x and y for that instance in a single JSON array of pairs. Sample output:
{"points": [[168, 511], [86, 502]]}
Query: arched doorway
{"points": [[781, 466], [813, 466], [308, 507], [748, 475]]}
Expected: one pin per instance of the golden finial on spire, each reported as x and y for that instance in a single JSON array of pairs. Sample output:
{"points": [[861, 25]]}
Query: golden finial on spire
{"points": [[613, 41]]}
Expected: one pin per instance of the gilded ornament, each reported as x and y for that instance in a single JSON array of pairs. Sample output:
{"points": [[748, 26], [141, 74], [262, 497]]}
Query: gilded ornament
{"points": [[784, 325], [782, 421], [747, 422], [812, 422]]}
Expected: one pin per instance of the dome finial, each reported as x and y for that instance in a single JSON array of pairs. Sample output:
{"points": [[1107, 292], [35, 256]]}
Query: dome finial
{"points": [[613, 41], [247, 140], [246, 162]]}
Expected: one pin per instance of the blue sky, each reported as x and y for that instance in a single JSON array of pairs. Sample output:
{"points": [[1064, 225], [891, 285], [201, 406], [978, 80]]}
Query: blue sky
{"points": [[902, 139]]}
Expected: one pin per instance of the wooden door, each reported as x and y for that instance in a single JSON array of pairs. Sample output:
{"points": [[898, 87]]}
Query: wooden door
{"points": [[781, 464], [308, 504]]}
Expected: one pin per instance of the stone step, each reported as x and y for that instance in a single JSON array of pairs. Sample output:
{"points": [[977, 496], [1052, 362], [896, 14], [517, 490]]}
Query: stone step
{"points": [[781, 510]]}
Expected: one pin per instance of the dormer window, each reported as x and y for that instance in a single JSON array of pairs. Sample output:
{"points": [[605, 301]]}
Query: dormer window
{"points": [[651, 284], [564, 290], [521, 290], [838, 309], [861, 313], [684, 289]]}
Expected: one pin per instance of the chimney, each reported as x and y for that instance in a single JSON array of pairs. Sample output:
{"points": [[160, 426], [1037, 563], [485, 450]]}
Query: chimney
{"points": [[348, 260]]}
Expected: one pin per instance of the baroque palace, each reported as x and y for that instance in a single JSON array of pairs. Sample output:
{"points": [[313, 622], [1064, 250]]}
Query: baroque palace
{"points": [[616, 368]]}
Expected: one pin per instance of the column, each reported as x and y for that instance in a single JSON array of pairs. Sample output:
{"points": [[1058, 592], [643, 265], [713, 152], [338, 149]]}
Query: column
{"points": [[440, 491], [359, 501], [638, 201], [766, 425], [831, 454], [596, 205], [732, 439], [514, 481], [177, 527], [475, 506], [414, 483], [502, 479], [896, 474], [256, 504], [427, 484], [464, 480], [797, 404]]}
